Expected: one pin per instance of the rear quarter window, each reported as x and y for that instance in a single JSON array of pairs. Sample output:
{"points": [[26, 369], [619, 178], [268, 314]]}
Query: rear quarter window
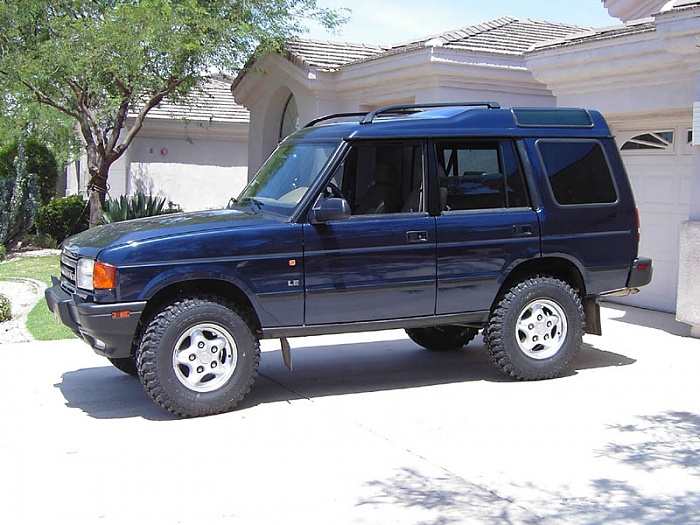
{"points": [[578, 172]]}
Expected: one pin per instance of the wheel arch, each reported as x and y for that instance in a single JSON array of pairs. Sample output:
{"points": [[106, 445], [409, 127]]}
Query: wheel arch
{"points": [[562, 268], [227, 291]]}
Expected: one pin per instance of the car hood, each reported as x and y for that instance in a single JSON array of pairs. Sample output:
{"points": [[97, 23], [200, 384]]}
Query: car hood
{"points": [[91, 242]]}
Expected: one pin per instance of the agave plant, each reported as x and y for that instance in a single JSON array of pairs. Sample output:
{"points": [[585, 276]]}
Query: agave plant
{"points": [[136, 206]]}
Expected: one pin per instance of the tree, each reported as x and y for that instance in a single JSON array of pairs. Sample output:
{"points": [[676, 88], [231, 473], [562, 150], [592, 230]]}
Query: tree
{"points": [[99, 61], [21, 115], [40, 161], [19, 200]]}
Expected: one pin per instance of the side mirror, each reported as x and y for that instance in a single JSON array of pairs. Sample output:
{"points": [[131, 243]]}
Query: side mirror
{"points": [[332, 209]]}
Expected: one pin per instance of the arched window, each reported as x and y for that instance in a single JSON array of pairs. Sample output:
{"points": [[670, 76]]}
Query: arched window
{"points": [[290, 118], [656, 140]]}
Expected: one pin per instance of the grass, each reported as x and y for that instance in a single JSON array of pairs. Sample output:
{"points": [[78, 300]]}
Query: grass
{"points": [[40, 321]]}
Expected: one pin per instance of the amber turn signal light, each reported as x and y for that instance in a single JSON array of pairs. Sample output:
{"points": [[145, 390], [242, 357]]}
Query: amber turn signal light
{"points": [[104, 276]]}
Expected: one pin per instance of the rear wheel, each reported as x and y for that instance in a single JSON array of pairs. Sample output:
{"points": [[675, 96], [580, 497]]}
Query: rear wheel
{"points": [[198, 356], [442, 337], [536, 328]]}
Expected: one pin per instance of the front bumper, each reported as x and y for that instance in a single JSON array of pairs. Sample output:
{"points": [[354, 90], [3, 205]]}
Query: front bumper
{"points": [[108, 328]]}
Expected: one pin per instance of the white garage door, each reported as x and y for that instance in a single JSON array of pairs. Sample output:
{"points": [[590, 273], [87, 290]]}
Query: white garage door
{"points": [[659, 167]]}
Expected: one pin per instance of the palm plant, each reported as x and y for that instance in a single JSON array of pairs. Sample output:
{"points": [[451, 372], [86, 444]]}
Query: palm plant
{"points": [[136, 206]]}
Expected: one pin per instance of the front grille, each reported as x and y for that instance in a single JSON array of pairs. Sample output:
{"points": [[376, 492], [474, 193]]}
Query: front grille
{"points": [[69, 262]]}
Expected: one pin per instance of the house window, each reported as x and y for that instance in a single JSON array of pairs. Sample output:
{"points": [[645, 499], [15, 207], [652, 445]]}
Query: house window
{"points": [[290, 118], [688, 146], [652, 141]]}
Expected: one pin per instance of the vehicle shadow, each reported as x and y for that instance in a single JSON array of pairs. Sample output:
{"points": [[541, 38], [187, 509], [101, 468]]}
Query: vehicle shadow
{"points": [[654, 319], [319, 371], [106, 393]]}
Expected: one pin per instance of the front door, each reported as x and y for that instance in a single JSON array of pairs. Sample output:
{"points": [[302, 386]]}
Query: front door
{"points": [[379, 263]]}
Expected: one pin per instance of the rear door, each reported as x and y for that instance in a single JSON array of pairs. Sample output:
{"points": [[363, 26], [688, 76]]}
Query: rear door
{"points": [[486, 224]]}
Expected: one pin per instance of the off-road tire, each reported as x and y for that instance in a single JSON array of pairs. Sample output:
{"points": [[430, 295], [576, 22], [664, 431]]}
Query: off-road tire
{"points": [[181, 332], [125, 364], [514, 331], [441, 338]]}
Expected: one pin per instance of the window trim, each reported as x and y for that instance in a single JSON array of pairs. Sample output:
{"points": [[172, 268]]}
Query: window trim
{"points": [[687, 141], [500, 144], [668, 150], [296, 127], [347, 146]]}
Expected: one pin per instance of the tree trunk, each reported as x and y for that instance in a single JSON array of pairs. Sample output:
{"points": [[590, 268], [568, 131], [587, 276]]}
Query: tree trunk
{"points": [[96, 208], [97, 188]]}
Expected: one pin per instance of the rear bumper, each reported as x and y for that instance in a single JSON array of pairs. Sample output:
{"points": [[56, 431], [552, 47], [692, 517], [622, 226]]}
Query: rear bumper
{"points": [[108, 328], [640, 273]]}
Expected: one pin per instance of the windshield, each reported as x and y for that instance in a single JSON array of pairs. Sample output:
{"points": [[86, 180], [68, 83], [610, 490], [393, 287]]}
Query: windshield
{"points": [[285, 177]]}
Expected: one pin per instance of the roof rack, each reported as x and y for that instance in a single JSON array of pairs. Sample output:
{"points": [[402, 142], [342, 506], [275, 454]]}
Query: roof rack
{"points": [[413, 108], [400, 109], [334, 115]]}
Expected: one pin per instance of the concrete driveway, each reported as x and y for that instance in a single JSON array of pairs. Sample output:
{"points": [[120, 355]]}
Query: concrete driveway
{"points": [[368, 429]]}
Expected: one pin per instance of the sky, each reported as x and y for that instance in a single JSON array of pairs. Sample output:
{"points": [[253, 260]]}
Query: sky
{"points": [[396, 21]]}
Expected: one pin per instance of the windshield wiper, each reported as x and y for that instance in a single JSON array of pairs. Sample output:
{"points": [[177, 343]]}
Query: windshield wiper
{"points": [[258, 203]]}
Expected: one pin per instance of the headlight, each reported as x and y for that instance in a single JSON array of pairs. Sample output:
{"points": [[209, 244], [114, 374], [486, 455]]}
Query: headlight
{"points": [[83, 273], [95, 275]]}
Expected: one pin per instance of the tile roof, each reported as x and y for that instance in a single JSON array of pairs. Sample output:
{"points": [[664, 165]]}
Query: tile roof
{"points": [[212, 101], [679, 4], [644, 25], [506, 35], [328, 56]]}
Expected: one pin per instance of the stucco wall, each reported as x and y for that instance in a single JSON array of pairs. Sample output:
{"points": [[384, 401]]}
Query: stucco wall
{"points": [[688, 308], [196, 174]]}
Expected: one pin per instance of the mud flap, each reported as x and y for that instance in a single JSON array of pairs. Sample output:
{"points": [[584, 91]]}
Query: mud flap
{"points": [[591, 309], [286, 353]]}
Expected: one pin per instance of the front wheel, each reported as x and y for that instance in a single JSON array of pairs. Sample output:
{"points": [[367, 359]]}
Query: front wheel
{"points": [[198, 356], [442, 337], [536, 329]]}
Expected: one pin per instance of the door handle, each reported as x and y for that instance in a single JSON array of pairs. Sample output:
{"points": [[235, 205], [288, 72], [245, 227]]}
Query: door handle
{"points": [[522, 230], [417, 236]]}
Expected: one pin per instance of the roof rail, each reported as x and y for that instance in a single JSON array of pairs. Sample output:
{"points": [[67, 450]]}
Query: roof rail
{"points": [[334, 115], [412, 108]]}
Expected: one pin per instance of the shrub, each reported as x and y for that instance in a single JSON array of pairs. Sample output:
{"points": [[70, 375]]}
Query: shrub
{"points": [[19, 201], [39, 160], [63, 217], [3, 251], [41, 240], [5, 309], [137, 206]]}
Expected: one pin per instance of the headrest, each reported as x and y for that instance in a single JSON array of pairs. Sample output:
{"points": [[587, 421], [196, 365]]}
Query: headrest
{"points": [[385, 174]]}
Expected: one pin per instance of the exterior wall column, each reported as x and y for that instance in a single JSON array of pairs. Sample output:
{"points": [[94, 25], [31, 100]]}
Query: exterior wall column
{"points": [[688, 302]]}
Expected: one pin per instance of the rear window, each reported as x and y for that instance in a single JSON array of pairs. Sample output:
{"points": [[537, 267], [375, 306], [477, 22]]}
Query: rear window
{"points": [[578, 172]]}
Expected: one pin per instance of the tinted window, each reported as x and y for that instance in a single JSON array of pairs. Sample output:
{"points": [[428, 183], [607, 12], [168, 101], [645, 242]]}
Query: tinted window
{"points": [[382, 178], [477, 175], [578, 172]]}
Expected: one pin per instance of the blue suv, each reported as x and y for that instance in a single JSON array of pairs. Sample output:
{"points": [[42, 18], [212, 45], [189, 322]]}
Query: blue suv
{"points": [[442, 219]]}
